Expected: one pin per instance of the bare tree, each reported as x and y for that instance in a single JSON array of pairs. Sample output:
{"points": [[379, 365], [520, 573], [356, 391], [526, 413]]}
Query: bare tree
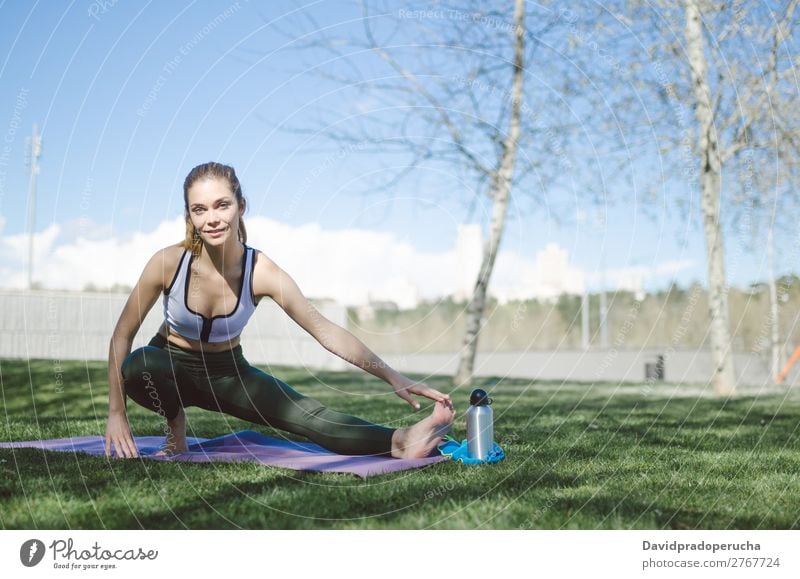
{"points": [[723, 379], [751, 121], [499, 190], [452, 91], [776, 210], [732, 65]]}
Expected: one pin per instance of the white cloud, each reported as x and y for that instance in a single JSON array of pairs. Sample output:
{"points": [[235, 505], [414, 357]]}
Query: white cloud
{"points": [[634, 278], [352, 266], [83, 227], [86, 254], [545, 277]]}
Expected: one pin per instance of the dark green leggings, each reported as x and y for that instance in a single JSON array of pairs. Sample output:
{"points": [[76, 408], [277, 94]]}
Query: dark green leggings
{"points": [[163, 377]]}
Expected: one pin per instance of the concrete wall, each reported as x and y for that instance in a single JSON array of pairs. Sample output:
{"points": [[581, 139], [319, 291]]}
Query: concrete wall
{"points": [[680, 367], [78, 326]]}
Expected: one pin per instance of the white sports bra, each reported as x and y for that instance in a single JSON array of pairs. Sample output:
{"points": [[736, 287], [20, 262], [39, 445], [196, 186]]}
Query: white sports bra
{"points": [[195, 326]]}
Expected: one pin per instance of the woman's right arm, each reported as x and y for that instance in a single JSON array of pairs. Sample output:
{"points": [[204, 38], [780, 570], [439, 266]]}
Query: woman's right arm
{"points": [[141, 300]]}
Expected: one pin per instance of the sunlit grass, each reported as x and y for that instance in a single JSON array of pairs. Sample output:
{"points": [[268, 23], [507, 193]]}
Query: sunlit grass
{"points": [[578, 457]]}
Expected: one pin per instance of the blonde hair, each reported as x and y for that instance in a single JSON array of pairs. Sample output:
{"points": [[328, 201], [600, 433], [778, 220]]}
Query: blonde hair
{"points": [[210, 170]]}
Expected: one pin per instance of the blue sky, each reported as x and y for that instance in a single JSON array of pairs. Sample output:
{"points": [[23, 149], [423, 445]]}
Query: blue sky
{"points": [[129, 96]]}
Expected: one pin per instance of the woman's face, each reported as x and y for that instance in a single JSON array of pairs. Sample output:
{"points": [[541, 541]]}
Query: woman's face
{"points": [[213, 210]]}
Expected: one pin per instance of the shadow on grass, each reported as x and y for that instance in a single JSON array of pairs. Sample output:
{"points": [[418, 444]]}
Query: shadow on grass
{"points": [[604, 460]]}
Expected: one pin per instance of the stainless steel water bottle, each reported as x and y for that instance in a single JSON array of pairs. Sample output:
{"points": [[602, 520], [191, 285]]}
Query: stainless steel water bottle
{"points": [[480, 425]]}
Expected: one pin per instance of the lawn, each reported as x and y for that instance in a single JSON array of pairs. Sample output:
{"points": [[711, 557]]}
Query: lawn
{"points": [[579, 456]]}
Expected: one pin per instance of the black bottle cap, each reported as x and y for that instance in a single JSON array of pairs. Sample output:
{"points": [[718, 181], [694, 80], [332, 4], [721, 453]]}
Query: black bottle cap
{"points": [[479, 398]]}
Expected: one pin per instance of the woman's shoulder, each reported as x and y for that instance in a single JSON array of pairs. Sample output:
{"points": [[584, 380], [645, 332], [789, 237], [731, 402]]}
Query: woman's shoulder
{"points": [[263, 270], [171, 254], [161, 267], [261, 261], [169, 257]]}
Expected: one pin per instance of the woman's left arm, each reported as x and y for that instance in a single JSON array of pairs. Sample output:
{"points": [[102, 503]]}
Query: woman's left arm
{"points": [[270, 280]]}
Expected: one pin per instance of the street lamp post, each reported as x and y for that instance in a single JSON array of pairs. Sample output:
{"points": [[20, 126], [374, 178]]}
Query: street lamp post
{"points": [[33, 163]]}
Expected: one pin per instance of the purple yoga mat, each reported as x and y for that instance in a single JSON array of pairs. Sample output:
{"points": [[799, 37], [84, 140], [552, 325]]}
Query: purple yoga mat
{"points": [[243, 445]]}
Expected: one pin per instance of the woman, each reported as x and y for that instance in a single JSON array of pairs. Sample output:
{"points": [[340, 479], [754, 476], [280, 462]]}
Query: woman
{"points": [[195, 358]]}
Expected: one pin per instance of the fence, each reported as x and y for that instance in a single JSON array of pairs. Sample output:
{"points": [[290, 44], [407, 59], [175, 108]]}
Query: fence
{"points": [[78, 326], [679, 367]]}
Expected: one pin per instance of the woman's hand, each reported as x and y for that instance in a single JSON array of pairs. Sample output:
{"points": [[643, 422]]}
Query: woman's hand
{"points": [[404, 387], [118, 434]]}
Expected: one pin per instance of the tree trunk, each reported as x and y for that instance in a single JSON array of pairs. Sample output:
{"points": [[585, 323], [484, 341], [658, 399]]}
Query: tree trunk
{"points": [[723, 377], [499, 192], [775, 366], [585, 303]]}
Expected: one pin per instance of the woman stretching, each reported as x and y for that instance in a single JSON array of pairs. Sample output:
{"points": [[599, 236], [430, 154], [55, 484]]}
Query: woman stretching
{"points": [[195, 358]]}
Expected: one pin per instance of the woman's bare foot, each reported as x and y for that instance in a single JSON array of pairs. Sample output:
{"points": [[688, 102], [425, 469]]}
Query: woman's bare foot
{"points": [[420, 440], [176, 436]]}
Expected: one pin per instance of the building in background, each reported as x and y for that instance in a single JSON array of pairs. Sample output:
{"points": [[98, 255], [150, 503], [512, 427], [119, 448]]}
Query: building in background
{"points": [[468, 255]]}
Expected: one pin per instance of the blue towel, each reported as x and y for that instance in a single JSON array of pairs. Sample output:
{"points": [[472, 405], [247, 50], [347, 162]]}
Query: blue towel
{"points": [[460, 452]]}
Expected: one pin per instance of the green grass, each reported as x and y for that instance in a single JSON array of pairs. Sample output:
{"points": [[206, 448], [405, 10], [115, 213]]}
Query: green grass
{"points": [[578, 457]]}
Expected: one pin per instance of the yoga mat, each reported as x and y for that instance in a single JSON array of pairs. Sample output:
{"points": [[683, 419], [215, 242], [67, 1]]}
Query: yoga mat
{"points": [[245, 445]]}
